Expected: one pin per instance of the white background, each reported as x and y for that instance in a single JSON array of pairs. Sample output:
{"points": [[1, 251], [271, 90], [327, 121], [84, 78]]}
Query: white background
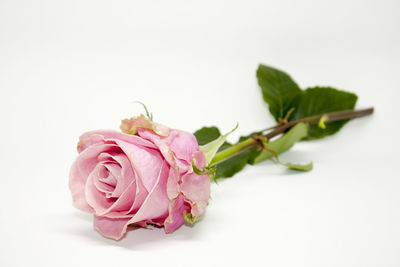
{"points": [[71, 66]]}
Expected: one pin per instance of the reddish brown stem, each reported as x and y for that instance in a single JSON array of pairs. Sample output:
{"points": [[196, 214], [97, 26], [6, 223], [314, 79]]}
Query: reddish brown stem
{"points": [[252, 142], [332, 116]]}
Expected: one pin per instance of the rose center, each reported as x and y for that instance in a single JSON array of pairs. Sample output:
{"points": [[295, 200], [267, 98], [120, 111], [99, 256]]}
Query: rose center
{"points": [[108, 175]]}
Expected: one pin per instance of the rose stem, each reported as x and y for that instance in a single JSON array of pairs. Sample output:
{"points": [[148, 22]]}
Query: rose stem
{"points": [[252, 142]]}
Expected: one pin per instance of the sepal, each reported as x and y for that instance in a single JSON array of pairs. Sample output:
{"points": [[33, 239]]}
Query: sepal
{"points": [[189, 218], [211, 148]]}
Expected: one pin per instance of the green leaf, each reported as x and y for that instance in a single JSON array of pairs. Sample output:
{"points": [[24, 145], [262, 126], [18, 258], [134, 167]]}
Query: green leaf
{"points": [[283, 143], [278, 89], [211, 148], [206, 135], [282, 94], [233, 165], [320, 100]]}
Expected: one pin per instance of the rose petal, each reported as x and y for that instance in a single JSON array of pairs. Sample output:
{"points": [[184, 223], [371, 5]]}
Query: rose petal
{"points": [[173, 183], [156, 203], [165, 150], [93, 137], [175, 218], [122, 172], [146, 162], [114, 228], [196, 188], [131, 125], [94, 197], [141, 194], [155, 206], [183, 144], [106, 182], [110, 207], [80, 171]]}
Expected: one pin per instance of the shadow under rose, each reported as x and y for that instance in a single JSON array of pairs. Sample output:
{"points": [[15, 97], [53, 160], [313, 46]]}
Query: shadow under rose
{"points": [[136, 238], [81, 226], [83, 216], [141, 238]]}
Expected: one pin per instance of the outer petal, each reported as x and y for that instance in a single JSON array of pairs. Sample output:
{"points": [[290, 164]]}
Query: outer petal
{"points": [[183, 144], [175, 218], [174, 158], [93, 137], [196, 188], [111, 228], [131, 125], [173, 188]]}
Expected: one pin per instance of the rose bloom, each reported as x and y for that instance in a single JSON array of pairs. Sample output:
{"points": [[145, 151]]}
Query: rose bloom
{"points": [[143, 176]]}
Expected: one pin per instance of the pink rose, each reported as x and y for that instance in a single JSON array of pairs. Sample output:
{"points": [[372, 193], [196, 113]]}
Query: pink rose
{"points": [[141, 178]]}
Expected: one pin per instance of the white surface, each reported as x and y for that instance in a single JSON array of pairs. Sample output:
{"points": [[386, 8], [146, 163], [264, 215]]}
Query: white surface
{"points": [[71, 66]]}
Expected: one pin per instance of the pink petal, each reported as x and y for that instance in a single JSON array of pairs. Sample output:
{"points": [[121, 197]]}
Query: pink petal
{"points": [[94, 197], [131, 125], [110, 206], [173, 183], [141, 195], [122, 172], [105, 181], [146, 162], [160, 129], [196, 188], [183, 144], [155, 206], [199, 159], [80, 171], [109, 227], [163, 147], [93, 137], [175, 218], [156, 203]]}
